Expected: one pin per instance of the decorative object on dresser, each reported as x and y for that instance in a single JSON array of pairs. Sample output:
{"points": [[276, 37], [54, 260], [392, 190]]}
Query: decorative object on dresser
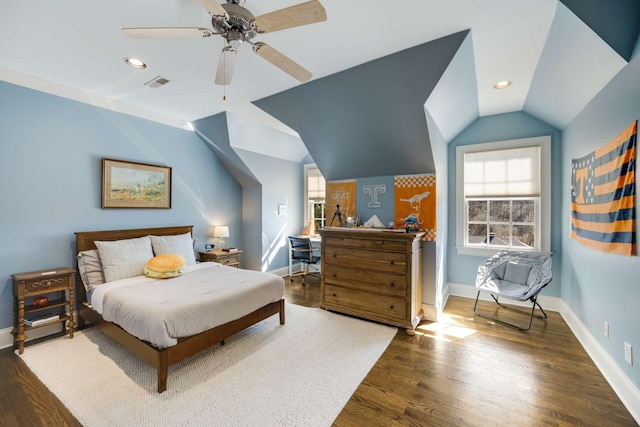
{"points": [[183, 339], [373, 274], [135, 185], [221, 231], [42, 311], [226, 257]]}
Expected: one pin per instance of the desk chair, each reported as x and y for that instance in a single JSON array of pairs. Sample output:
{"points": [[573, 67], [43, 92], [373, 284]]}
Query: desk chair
{"points": [[302, 251], [514, 275]]}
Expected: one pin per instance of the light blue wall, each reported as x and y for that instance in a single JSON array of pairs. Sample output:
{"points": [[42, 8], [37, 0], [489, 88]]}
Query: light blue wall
{"points": [[282, 183], [386, 212], [50, 179], [600, 287], [462, 269]]}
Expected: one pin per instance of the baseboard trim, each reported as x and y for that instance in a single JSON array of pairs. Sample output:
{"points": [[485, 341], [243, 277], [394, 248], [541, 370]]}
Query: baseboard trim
{"points": [[6, 337], [621, 384], [430, 312], [547, 302]]}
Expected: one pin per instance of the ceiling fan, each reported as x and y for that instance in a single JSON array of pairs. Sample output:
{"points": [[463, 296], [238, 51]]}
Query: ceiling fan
{"points": [[237, 25]]}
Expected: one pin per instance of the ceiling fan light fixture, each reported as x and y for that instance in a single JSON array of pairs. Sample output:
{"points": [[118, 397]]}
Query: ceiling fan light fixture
{"points": [[136, 63], [502, 84]]}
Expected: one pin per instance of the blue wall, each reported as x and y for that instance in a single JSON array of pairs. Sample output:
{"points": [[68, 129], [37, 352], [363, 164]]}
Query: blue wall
{"points": [[282, 183], [50, 180], [462, 269], [600, 287]]}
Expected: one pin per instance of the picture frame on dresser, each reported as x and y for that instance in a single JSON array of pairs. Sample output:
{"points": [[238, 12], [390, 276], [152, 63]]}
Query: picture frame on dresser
{"points": [[135, 185]]}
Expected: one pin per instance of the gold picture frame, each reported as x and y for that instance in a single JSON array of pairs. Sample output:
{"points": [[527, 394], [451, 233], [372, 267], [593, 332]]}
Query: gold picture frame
{"points": [[135, 185]]}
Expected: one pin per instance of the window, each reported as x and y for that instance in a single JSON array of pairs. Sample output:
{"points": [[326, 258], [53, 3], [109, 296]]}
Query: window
{"points": [[503, 196], [315, 204]]}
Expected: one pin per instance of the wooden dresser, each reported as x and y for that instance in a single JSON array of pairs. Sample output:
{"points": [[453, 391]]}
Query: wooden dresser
{"points": [[376, 275]]}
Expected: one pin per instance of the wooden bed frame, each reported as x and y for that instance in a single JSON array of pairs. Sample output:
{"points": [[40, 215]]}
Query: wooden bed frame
{"points": [[161, 359]]}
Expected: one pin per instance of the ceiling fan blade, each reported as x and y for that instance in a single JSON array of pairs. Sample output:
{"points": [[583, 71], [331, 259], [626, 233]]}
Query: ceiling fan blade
{"points": [[281, 61], [294, 16], [215, 9], [167, 32], [226, 65]]}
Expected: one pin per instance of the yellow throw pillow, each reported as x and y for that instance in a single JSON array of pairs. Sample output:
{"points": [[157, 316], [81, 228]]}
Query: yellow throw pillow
{"points": [[165, 266]]}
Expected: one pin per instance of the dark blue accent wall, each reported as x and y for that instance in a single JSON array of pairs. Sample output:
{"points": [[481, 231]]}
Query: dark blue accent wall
{"points": [[369, 120]]}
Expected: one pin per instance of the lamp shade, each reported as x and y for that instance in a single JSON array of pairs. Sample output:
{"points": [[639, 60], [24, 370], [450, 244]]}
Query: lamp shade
{"points": [[221, 231]]}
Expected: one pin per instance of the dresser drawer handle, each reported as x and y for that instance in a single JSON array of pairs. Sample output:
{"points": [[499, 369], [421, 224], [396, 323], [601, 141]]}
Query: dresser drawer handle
{"points": [[392, 262], [393, 285], [391, 307], [334, 295], [334, 275]]}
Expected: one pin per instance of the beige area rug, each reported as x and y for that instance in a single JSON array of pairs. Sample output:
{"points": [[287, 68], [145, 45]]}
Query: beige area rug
{"points": [[299, 374]]}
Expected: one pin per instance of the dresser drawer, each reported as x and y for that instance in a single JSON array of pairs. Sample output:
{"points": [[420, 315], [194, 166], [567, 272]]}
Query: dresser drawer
{"points": [[382, 307], [379, 282], [375, 244], [390, 262]]}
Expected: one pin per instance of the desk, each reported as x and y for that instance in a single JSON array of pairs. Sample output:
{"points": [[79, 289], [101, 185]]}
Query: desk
{"points": [[315, 242]]}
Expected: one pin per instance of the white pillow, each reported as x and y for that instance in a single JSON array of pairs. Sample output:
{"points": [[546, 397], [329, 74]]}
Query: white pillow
{"points": [[124, 258], [90, 269], [180, 244]]}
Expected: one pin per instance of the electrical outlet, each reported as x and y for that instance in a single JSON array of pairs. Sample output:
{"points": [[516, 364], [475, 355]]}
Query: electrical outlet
{"points": [[606, 329], [628, 353]]}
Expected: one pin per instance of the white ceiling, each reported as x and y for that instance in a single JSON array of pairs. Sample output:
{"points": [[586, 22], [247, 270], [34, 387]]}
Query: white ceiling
{"points": [[75, 48]]}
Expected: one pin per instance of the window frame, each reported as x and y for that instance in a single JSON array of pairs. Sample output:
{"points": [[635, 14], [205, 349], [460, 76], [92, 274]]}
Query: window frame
{"points": [[309, 202], [544, 208]]}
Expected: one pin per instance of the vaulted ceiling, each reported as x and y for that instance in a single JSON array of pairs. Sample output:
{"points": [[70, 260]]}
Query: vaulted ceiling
{"points": [[373, 63]]}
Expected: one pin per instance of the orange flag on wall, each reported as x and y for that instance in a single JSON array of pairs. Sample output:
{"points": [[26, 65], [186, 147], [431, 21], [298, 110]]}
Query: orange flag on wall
{"points": [[415, 200]]}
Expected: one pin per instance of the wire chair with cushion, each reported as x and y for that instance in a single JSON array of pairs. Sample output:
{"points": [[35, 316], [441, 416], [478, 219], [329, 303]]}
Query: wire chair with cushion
{"points": [[302, 251], [514, 275]]}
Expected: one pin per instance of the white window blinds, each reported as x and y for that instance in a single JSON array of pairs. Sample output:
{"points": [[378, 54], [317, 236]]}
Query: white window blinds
{"points": [[315, 184], [513, 172]]}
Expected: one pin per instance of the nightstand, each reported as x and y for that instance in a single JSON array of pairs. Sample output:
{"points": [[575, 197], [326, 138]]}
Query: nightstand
{"points": [[59, 284], [223, 257]]}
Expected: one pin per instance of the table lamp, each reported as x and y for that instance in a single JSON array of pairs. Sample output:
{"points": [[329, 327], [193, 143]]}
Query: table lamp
{"points": [[221, 231]]}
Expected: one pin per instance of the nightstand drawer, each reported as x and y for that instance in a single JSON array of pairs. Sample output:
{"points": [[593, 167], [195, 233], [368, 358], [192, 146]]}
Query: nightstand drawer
{"points": [[46, 284], [231, 259]]}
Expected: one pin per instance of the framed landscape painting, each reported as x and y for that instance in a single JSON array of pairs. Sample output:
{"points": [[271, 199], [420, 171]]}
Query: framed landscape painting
{"points": [[135, 185]]}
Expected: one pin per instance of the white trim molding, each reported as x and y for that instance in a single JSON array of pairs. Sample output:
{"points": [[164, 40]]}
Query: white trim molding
{"points": [[615, 376], [547, 302], [6, 337]]}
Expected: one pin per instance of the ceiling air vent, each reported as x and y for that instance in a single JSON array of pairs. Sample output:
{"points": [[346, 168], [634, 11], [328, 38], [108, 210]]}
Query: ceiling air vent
{"points": [[157, 82]]}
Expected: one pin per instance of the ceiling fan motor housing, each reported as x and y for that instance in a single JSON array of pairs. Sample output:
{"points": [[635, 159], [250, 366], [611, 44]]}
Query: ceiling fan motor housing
{"points": [[240, 21]]}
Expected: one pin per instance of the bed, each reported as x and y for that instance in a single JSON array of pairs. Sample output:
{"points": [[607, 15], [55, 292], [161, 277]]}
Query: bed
{"points": [[159, 356]]}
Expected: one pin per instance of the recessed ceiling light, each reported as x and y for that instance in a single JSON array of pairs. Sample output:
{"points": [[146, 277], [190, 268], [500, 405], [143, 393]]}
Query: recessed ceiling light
{"points": [[502, 85], [135, 63]]}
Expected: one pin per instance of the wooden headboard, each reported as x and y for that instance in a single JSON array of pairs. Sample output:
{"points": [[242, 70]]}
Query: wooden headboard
{"points": [[85, 240]]}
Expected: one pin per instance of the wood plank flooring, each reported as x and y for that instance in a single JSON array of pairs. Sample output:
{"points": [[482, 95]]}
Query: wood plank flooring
{"points": [[466, 371]]}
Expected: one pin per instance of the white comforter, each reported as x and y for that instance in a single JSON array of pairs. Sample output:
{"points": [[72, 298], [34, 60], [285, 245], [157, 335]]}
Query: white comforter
{"points": [[207, 295]]}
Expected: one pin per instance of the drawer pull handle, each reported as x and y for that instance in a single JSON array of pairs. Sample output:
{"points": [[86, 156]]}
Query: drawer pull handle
{"points": [[391, 307], [392, 262], [392, 284], [334, 295], [334, 274]]}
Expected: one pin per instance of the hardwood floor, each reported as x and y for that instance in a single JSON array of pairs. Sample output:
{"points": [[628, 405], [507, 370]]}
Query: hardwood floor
{"points": [[466, 371]]}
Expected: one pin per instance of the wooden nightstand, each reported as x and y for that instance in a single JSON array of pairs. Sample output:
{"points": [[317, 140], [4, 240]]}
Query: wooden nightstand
{"points": [[223, 257], [58, 283]]}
